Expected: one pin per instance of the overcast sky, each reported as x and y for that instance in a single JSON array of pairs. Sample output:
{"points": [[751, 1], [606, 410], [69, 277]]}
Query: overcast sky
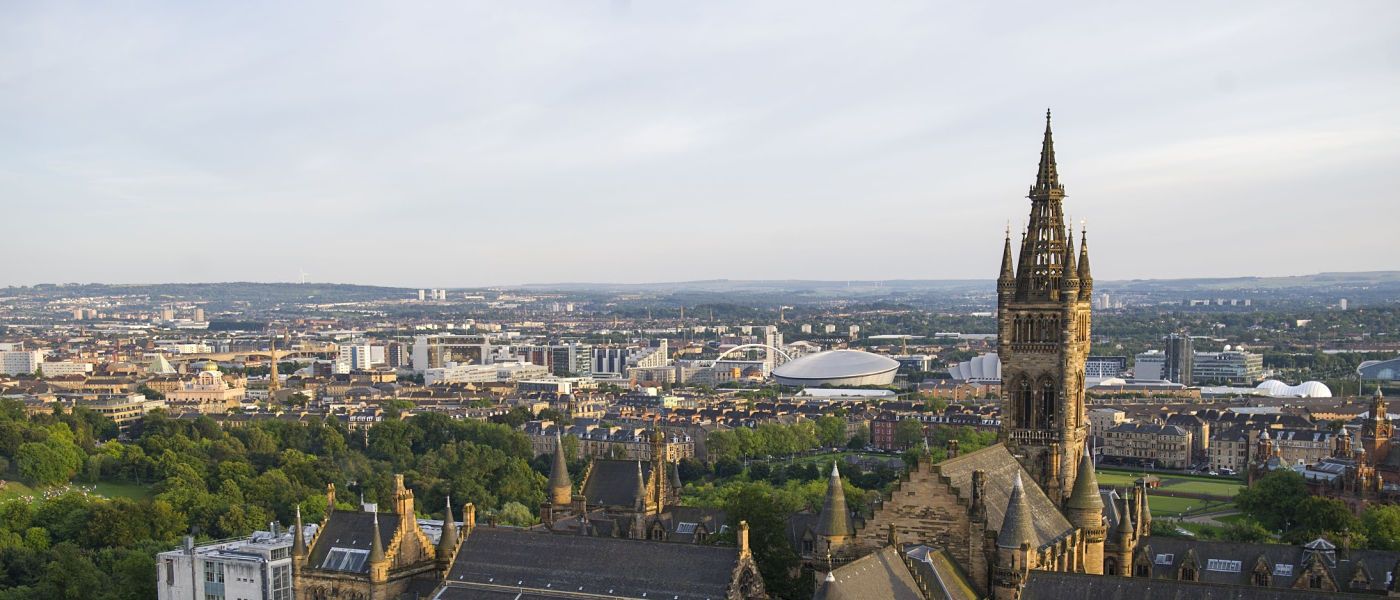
{"points": [[461, 144]]}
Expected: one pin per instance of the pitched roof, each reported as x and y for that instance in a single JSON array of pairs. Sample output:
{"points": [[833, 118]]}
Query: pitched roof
{"points": [[1284, 562], [882, 574], [614, 482], [540, 563], [1001, 468], [1053, 585], [350, 530]]}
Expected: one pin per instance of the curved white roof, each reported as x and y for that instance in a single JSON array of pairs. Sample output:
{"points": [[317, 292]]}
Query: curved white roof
{"points": [[836, 364], [1307, 389]]}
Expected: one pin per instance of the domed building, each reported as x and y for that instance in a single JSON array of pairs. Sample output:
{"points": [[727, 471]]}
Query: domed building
{"points": [[838, 368], [1307, 389]]}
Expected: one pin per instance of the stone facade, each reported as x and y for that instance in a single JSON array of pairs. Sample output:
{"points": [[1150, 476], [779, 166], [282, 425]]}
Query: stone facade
{"points": [[1043, 325]]}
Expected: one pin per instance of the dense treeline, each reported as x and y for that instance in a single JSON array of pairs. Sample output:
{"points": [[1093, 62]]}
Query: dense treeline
{"points": [[220, 483], [1280, 505]]}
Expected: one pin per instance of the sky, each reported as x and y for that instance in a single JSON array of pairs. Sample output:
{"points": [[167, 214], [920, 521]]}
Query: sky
{"points": [[497, 143]]}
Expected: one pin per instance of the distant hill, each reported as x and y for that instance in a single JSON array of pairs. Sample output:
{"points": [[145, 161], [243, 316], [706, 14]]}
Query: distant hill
{"points": [[1320, 280]]}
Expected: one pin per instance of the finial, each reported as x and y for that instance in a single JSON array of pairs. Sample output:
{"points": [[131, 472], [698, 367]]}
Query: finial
{"points": [[1083, 226], [1017, 485], [834, 471], [830, 575]]}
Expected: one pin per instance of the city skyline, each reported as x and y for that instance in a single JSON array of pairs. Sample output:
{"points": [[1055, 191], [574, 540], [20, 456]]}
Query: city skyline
{"points": [[485, 145]]}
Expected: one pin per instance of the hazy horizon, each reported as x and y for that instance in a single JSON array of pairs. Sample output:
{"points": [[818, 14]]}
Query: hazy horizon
{"points": [[494, 144]]}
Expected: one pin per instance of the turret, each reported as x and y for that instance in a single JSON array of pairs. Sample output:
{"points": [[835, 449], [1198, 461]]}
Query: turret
{"points": [[378, 563], [1015, 545], [403, 500], [1006, 283], [298, 544], [1086, 513], [447, 543], [1125, 535], [1017, 530], [1069, 277], [835, 522], [1086, 280], [561, 487]]}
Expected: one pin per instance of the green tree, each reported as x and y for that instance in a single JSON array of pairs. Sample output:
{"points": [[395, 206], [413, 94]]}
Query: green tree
{"points": [[1318, 516], [908, 433], [831, 431], [766, 513], [1274, 499], [1381, 522], [515, 514], [1244, 530]]}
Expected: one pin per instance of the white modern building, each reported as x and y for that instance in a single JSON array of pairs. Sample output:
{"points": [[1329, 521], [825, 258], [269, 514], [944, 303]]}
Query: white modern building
{"points": [[253, 568], [838, 368], [61, 368], [354, 356], [985, 368], [1307, 389], [20, 362]]}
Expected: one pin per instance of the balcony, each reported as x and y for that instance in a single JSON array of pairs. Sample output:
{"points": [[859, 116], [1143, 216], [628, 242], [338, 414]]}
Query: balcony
{"points": [[1034, 435]]}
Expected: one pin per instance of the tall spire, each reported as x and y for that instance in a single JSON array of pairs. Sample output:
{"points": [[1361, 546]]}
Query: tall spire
{"points": [[273, 381], [448, 542], [835, 517], [1047, 178], [561, 487], [376, 549], [1016, 526]]}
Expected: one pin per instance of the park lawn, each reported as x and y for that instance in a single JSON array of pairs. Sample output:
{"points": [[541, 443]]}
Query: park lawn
{"points": [[1225, 489], [1116, 479], [123, 490], [1167, 506]]}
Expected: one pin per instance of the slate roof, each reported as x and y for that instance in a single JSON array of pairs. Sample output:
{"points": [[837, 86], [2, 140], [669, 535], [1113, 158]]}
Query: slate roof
{"points": [[1148, 428], [540, 565], [1051, 585], [1342, 564], [1001, 468], [351, 529], [942, 574], [881, 574], [614, 482]]}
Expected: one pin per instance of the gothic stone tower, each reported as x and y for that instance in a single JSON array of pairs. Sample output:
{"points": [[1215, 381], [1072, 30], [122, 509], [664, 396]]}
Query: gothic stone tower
{"points": [[1043, 337]]}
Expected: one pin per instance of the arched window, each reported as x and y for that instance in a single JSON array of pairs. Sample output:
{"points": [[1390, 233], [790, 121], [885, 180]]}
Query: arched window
{"points": [[1047, 404], [1024, 401]]}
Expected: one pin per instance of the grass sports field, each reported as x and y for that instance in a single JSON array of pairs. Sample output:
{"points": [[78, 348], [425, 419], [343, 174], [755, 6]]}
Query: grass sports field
{"points": [[1224, 488]]}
